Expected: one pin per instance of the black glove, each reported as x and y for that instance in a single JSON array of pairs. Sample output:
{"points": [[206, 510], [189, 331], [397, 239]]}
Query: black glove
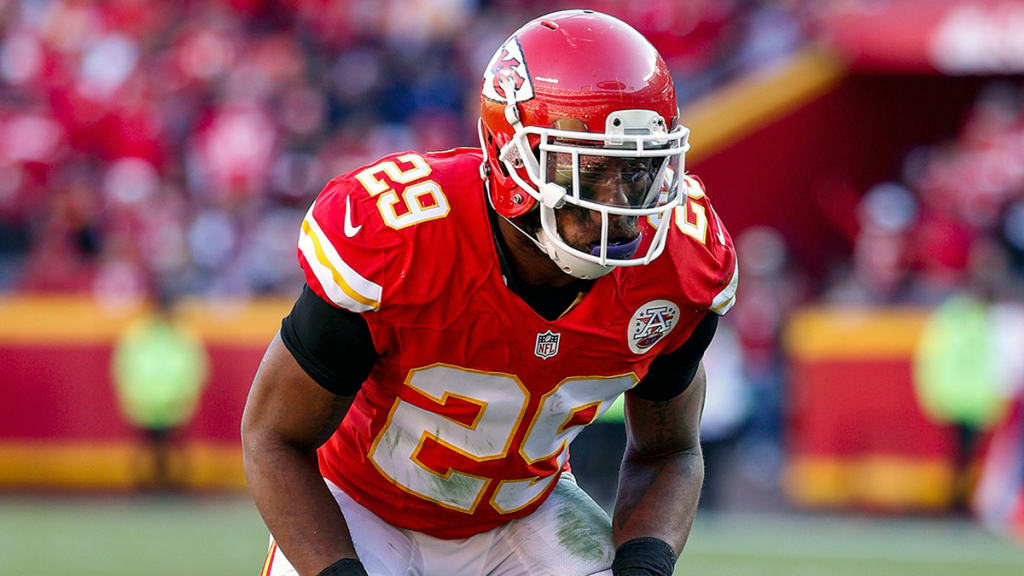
{"points": [[344, 567], [644, 557]]}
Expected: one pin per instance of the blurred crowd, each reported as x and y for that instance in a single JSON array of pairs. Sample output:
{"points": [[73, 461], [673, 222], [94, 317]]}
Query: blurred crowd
{"points": [[177, 144], [954, 219]]}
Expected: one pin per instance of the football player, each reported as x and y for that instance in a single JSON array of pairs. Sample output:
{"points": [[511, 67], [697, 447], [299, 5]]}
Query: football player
{"points": [[466, 313]]}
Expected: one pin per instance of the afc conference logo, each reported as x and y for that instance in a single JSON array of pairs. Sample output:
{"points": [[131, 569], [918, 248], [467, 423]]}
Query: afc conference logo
{"points": [[547, 344], [650, 323]]}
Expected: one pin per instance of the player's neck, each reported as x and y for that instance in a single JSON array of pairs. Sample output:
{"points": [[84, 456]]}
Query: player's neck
{"points": [[529, 264]]}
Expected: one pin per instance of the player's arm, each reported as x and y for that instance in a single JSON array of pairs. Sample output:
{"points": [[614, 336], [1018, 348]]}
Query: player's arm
{"points": [[298, 398], [663, 467]]}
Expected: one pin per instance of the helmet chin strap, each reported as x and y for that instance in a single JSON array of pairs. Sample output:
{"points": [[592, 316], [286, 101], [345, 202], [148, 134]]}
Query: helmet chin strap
{"points": [[536, 242], [566, 262]]}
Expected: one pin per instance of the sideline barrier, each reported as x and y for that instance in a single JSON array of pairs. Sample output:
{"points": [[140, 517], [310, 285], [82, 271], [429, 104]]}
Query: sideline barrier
{"points": [[60, 426], [856, 435]]}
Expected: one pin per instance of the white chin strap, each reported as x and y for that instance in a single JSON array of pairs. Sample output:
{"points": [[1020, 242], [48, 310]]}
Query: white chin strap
{"points": [[565, 260]]}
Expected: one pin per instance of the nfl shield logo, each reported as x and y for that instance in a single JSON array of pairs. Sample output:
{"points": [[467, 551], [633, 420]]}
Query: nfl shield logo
{"points": [[547, 344]]}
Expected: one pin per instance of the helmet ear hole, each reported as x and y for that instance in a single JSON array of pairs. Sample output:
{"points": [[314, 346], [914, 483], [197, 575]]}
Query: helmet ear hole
{"points": [[492, 151]]}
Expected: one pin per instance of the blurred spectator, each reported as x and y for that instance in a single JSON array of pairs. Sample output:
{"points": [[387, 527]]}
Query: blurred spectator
{"points": [[771, 289], [727, 406], [959, 373], [878, 273], [999, 498], [159, 369]]}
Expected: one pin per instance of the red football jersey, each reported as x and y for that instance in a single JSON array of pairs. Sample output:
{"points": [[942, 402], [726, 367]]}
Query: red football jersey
{"points": [[465, 420]]}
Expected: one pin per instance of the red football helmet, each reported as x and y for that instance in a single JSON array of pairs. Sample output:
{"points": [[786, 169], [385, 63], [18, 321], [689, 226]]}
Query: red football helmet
{"points": [[572, 99]]}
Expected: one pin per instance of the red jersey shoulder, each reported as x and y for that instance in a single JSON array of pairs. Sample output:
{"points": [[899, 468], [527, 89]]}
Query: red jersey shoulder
{"points": [[699, 255], [397, 234]]}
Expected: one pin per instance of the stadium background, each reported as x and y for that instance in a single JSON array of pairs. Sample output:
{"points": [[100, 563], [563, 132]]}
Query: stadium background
{"points": [[867, 156]]}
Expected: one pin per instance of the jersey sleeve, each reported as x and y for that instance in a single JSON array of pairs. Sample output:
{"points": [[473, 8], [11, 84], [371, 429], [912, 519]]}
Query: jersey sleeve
{"points": [[346, 255], [396, 241], [711, 264]]}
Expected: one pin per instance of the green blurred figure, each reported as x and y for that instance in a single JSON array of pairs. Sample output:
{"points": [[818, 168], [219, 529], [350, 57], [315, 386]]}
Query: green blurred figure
{"points": [[159, 369], [958, 375]]}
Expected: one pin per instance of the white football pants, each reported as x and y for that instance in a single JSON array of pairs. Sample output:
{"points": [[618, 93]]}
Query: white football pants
{"points": [[569, 535]]}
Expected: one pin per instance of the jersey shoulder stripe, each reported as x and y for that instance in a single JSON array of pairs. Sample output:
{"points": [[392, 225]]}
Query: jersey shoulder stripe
{"points": [[343, 285], [724, 300]]}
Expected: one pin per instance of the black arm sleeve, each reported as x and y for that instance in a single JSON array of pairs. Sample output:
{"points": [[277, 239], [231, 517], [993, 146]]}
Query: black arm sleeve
{"points": [[332, 345], [670, 374]]}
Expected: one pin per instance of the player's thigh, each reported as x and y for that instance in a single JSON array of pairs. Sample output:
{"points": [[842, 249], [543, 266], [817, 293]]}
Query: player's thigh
{"points": [[569, 535], [383, 549]]}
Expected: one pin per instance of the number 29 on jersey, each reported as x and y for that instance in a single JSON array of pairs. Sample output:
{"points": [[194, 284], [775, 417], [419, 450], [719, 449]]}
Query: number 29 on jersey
{"points": [[405, 197]]}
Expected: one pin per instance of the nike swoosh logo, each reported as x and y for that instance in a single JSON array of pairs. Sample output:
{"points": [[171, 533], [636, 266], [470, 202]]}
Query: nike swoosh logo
{"points": [[350, 230]]}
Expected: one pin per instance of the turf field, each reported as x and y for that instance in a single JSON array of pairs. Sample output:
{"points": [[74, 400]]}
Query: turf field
{"points": [[225, 537]]}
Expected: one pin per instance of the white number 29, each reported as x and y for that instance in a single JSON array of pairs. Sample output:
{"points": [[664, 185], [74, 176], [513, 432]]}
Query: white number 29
{"points": [[482, 412], [421, 200]]}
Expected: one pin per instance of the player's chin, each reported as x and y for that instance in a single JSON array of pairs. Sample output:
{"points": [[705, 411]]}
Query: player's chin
{"points": [[616, 246], [582, 242], [623, 231]]}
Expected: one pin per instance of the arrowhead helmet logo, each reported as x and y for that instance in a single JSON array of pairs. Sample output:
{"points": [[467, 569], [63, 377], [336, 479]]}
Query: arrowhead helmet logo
{"points": [[547, 344], [507, 63]]}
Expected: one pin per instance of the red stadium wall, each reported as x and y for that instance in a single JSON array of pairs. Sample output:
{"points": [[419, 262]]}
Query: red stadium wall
{"points": [[856, 434], [60, 426]]}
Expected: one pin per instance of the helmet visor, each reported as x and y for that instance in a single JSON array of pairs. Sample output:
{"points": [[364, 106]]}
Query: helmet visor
{"points": [[619, 181]]}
